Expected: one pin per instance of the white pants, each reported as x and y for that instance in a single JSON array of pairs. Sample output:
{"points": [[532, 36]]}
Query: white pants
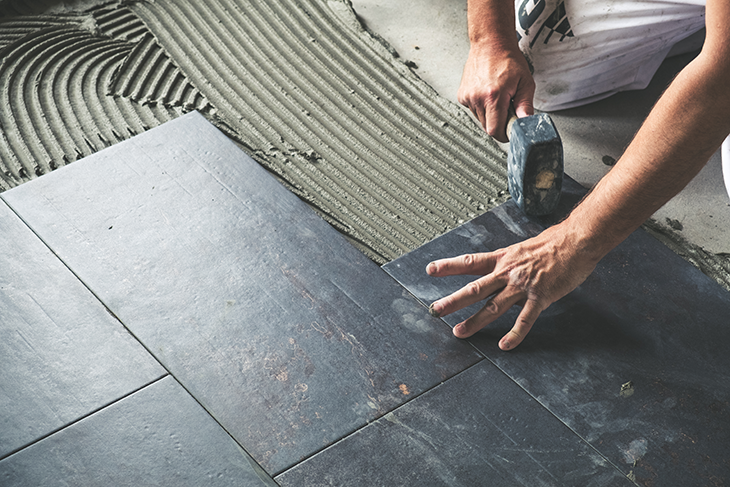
{"points": [[586, 50]]}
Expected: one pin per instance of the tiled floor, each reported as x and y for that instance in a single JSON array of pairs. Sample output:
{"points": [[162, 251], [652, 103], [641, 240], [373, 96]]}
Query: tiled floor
{"points": [[633, 361], [196, 324]]}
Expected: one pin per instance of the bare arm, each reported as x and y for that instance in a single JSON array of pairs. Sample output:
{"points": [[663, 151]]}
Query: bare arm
{"points": [[687, 125], [496, 72]]}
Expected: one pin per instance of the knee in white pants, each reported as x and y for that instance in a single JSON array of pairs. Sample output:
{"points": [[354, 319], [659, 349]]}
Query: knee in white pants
{"points": [[725, 153]]}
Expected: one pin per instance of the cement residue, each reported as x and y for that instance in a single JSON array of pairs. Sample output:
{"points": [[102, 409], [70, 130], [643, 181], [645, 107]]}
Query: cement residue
{"points": [[716, 266]]}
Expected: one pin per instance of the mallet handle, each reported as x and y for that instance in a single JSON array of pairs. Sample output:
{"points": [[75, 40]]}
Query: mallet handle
{"points": [[511, 119]]}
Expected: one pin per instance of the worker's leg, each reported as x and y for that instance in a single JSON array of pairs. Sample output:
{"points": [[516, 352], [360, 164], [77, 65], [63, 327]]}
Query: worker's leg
{"points": [[586, 50], [725, 153]]}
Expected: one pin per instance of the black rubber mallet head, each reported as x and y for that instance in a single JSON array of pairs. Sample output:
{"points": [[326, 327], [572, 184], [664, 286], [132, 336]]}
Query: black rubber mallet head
{"points": [[534, 163]]}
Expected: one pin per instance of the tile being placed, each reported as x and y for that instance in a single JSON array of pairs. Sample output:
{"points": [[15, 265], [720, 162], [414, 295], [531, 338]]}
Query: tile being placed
{"points": [[289, 336], [478, 428], [635, 360], [62, 355], [157, 436]]}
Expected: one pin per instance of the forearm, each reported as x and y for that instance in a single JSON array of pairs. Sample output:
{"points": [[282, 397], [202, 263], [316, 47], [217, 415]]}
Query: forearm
{"points": [[491, 24], [684, 129], [496, 73]]}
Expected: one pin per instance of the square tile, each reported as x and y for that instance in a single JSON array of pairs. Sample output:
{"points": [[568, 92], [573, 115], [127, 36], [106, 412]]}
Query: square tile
{"points": [[478, 428], [289, 336], [63, 355]]}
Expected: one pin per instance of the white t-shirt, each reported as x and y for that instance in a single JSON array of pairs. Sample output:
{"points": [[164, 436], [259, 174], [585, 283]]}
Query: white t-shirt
{"points": [[586, 50]]}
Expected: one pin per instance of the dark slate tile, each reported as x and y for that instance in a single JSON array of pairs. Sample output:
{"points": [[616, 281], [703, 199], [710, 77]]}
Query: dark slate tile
{"points": [[646, 317], [62, 355], [289, 336], [158, 436], [478, 428]]}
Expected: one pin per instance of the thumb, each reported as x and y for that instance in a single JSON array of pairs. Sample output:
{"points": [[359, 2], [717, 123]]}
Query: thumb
{"points": [[522, 102], [523, 107]]}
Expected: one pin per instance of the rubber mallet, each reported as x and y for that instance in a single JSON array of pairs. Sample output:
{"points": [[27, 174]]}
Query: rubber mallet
{"points": [[534, 163]]}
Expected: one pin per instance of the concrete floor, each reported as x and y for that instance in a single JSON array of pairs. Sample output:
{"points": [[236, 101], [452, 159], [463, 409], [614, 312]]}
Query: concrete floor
{"points": [[433, 34]]}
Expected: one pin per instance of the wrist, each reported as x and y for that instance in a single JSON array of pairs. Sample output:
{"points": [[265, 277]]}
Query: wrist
{"points": [[586, 240]]}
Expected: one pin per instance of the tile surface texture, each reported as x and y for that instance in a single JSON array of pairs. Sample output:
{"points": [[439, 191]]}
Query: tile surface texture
{"points": [[635, 360], [289, 336], [62, 355], [479, 428], [157, 436]]}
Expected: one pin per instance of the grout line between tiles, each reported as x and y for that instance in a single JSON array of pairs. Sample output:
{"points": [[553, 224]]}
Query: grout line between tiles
{"points": [[83, 417], [578, 435], [142, 344], [356, 430]]}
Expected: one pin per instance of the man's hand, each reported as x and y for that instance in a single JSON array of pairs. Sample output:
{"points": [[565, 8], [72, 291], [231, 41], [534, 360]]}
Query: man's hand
{"points": [[533, 274], [496, 72], [493, 77]]}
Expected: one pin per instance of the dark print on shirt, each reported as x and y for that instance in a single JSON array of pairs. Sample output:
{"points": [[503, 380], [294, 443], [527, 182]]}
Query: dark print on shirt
{"points": [[556, 22]]}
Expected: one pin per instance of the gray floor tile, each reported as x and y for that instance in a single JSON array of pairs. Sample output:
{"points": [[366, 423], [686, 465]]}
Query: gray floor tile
{"points": [[62, 355], [646, 317], [478, 428], [158, 436], [287, 334]]}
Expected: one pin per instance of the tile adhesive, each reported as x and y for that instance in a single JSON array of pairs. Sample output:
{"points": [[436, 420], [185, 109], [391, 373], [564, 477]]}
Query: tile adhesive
{"points": [[325, 105]]}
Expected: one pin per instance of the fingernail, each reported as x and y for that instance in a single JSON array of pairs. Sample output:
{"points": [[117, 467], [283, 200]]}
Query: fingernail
{"points": [[506, 345], [433, 311], [459, 329], [431, 268]]}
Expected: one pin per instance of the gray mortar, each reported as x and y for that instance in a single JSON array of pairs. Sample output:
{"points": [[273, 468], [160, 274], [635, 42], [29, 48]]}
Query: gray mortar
{"points": [[324, 104], [395, 165]]}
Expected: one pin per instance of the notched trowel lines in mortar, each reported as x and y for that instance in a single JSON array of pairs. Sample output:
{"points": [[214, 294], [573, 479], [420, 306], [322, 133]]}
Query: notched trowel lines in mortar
{"points": [[385, 159]]}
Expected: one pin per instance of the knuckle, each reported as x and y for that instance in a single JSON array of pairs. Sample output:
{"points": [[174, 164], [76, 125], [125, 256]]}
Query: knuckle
{"points": [[491, 94], [473, 289], [469, 260], [492, 307]]}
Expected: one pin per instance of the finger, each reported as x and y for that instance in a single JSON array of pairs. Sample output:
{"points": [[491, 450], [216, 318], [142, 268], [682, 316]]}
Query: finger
{"points": [[529, 314], [470, 264], [474, 107], [493, 309], [472, 293], [478, 111], [523, 100], [496, 117]]}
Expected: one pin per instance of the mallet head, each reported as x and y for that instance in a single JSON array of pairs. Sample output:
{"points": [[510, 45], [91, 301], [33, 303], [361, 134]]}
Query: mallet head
{"points": [[535, 164]]}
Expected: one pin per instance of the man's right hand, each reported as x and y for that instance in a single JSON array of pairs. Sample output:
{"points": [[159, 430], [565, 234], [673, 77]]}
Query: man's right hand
{"points": [[493, 78]]}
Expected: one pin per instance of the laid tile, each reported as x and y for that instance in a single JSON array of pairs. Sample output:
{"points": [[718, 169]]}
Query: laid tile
{"points": [[62, 355], [478, 428], [634, 360], [289, 336], [157, 436]]}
